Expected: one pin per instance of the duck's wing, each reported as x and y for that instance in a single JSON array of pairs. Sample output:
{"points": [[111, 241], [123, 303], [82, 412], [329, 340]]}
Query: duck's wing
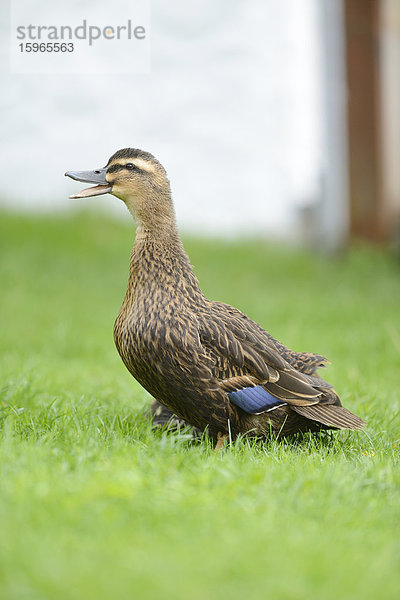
{"points": [[305, 362], [245, 358], [257, 378]]}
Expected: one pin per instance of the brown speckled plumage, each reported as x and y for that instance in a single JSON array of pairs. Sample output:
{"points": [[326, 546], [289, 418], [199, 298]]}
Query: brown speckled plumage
{"points": [[189, 352]]}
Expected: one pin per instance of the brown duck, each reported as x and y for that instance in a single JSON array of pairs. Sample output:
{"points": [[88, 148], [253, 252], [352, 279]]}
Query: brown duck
{"points": [[204, 361]]}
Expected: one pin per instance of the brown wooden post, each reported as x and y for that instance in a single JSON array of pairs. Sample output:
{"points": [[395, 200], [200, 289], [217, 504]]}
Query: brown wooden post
{"points": [[363, 115]]}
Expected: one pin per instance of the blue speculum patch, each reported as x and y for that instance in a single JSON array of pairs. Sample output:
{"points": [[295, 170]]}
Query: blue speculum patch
{"points": [[255, 400]]}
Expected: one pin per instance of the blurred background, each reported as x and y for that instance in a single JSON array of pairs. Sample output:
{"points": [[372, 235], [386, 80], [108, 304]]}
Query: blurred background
{"points": [[279, 118]]}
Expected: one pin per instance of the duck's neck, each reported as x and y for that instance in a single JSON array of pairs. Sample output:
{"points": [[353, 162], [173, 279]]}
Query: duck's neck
{"points": [[156, 221], [152, 209], [158, 253], [161, 232]]}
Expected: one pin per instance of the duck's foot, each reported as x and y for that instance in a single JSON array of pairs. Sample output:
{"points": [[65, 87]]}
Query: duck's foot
{"points": [[162, 417], [222, 439]]}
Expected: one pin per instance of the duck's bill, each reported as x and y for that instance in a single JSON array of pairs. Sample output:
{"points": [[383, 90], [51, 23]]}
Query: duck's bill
{"points": [[98, 176], [97, 190]]}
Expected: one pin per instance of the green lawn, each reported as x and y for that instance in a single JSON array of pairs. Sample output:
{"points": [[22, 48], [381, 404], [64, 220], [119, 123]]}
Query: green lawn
{"points": [[93, 504]]}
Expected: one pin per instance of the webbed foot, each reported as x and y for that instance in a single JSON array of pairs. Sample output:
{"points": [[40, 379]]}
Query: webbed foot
{"points": [[165, 418], [222, 439]]}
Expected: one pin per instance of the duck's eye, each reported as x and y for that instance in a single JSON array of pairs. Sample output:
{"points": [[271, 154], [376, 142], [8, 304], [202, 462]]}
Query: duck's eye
{"points": [[129, 166]]}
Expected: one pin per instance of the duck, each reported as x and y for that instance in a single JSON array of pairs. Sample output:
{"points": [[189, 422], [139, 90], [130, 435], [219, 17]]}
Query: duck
{"points": [[205, 363]]}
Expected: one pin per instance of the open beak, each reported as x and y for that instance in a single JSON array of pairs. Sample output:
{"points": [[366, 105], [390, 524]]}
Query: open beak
{"points": [[98, 177]]}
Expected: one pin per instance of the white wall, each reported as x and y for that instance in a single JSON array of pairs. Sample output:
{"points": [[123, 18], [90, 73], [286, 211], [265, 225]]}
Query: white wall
{"points": [[231, 108]]}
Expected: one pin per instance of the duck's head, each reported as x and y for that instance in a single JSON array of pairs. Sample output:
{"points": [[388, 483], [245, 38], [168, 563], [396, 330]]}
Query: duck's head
{"points": [[134, 176]]}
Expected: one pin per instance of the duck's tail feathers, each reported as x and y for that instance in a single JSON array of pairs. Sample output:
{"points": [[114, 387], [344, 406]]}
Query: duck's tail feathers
{"points": [[310, 363], [331, 415]]}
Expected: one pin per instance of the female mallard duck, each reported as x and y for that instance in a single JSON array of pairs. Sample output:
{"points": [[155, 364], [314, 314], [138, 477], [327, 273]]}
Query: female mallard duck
{"points": [[205, 361]]}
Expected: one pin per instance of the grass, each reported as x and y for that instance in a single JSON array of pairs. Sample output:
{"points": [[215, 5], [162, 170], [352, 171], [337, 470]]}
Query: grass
{"points": [[94, 504]]}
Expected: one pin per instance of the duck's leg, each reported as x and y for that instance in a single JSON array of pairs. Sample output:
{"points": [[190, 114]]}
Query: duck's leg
{"points": [[222, 439], [163, 417]]}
